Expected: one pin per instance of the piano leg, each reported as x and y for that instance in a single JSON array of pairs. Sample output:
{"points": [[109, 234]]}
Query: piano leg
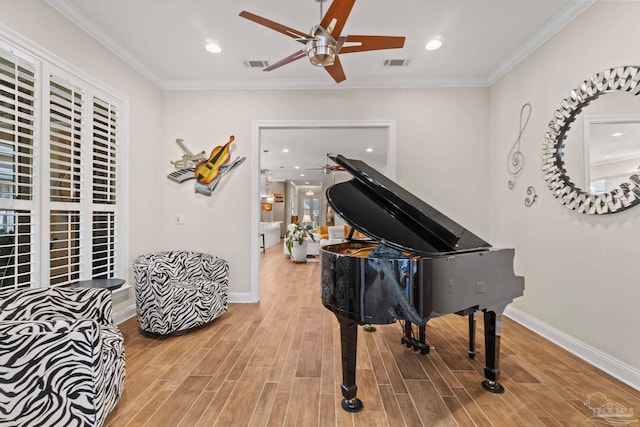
{"points": [[492, 331], [472, 335], [349, 345]]}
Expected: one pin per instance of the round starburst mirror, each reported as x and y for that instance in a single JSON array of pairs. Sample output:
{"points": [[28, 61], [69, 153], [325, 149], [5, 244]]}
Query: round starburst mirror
{"points": [[595, 168]]}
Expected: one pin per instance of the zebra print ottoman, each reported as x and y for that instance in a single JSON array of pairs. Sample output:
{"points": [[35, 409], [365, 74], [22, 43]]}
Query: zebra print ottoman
{"points": [[179, 290], [61, 357]]}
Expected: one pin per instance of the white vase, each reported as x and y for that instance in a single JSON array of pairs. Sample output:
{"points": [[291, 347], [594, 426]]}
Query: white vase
{"points": [[299, 251]]}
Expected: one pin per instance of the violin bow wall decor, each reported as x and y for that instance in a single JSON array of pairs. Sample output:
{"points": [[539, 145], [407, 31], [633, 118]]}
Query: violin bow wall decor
{"points": [[207, 171], [188, 159]]}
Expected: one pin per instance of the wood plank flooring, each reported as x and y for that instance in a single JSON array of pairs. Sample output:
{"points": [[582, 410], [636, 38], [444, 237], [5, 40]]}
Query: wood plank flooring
{"points": [[277, 363]]}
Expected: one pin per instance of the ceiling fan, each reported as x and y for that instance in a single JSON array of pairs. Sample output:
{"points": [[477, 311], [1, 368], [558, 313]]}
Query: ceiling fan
{"points": [[327, 168], [325, 42]]}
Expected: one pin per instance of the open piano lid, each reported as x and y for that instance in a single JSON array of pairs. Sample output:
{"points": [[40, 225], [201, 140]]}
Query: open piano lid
{"points": [[386, 212]]}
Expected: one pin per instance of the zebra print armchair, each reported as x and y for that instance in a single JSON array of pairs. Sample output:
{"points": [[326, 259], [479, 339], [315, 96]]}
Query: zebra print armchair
{"points": [[61, 357], [179, 290]]}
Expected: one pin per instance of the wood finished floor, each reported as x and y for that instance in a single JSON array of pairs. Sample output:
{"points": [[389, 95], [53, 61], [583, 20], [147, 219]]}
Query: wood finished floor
{"points": [[277, 363]]}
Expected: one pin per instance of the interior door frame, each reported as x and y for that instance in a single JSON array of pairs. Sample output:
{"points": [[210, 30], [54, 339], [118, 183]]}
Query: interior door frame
{"points": [[257, 126]]}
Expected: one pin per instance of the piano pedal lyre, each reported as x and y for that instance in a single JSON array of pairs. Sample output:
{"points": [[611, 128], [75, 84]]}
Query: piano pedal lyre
{"points": [[420, 344]]}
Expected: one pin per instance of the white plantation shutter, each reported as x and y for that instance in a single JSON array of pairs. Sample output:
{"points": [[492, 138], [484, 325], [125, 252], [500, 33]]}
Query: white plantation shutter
{"points": [[104, 245], [64, 261], [106, 134], [16, 248], [60, 177], [105, 137], [66, 136], [17, 145]]}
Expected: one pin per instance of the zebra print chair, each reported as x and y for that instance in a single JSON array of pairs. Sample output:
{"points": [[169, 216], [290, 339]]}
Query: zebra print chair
{"points": [[61, 357], [179, 290]]}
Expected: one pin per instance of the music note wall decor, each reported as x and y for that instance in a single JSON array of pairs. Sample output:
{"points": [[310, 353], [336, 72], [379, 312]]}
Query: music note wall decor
{"points": [[515, 159], [207, 171], [531, 192]]}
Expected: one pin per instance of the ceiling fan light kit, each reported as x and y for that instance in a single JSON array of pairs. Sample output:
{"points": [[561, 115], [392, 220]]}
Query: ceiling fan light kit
{"points": [[321, 50], [325, 42]]}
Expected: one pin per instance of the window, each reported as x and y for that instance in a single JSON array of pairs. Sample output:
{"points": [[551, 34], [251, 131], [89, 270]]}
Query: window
{"points": [[60, 145], [311, 207], [17, 141]]}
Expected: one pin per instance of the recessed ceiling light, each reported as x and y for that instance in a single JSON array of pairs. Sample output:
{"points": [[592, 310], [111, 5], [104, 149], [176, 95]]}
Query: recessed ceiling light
{"points": [[301, 174], [369, 150], [306, 182], [433, 44], [285, 150], [213, 47], [607, 156], [296, 167], [617, 134]]}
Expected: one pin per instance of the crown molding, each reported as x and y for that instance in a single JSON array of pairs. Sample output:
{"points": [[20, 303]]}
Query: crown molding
{"points": [[352, 83], [85, 23], [569, 13]]}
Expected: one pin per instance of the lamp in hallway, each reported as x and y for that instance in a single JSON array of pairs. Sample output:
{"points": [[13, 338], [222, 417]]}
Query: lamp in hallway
{"points": [[306, 219]]}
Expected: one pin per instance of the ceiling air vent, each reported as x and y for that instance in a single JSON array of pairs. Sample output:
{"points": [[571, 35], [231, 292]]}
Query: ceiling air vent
{"points": [[256, 64], [396, 63]]}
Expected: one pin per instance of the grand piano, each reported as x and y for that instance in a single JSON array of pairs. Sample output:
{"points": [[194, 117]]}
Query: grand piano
{"points": [[415, 264]]}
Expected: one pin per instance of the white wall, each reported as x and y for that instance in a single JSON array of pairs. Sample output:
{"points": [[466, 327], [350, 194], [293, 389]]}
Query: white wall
{"points": [[36, 21], [581, 271], [442, 153]]}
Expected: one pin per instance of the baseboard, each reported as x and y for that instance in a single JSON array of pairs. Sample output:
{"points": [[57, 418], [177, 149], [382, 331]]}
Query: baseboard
{"points": [[125, 314], [242, 297], [612, 366]]}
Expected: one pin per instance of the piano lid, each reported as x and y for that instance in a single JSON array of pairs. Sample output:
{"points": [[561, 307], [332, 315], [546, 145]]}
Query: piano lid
{"points": [[378, 207]]}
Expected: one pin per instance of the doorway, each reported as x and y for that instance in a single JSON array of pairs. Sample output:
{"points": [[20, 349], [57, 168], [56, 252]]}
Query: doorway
{"points": [[308, 127]]}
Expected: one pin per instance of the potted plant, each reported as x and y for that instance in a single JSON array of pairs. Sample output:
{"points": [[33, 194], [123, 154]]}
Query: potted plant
{"points": [[295, 242]]}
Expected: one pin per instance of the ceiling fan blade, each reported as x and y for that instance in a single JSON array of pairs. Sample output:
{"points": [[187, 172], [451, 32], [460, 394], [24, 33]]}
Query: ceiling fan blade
{"points": [[333, 21], [364, 43], [287, 31], [336, 71], [293, 57]]}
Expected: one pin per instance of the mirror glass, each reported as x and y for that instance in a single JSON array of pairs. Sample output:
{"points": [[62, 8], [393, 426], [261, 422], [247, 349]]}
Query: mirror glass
{"points": [[592, 149], [614, 151], [602, 150], [613, 145]]}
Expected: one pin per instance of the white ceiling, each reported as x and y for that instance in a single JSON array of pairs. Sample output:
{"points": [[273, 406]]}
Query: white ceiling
{"points": [[308, 149], [604, 147], [164, 40]]}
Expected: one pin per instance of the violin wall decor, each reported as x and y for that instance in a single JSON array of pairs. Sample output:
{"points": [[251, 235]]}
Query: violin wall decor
{"points": [[207, 171]]}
